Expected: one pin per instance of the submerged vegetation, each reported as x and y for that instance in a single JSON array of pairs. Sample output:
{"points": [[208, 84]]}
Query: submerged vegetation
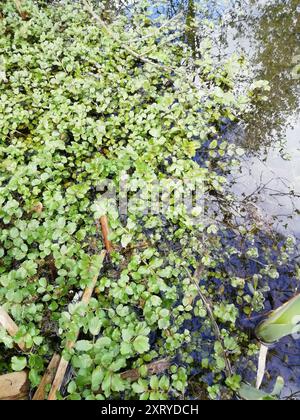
{"points": [[90, 103]]}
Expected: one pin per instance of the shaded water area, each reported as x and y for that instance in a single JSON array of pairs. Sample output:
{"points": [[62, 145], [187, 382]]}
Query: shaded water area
{"points": [[267, 34]]}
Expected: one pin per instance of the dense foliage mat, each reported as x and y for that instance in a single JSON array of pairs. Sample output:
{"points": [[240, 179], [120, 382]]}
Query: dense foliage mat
{"points": [[85, 103]]}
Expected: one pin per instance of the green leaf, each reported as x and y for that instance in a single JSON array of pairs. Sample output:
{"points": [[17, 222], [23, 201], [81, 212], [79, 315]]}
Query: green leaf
{"points": [[126, 239], [249, 393], [18, 363], [156, 300], [106, 384], [164, 313], [280, 323], [141, 344], [214, 144], [34, 378], [163, 324], [127, 335], [234, 382], [154, 382], [72, 387], [83, 345], [14, 233], [164, 383], [117, 383], [97, 377], [140, 387], [83, 361], [95, 325], [155, 132], [126, 349], [103, 342]]}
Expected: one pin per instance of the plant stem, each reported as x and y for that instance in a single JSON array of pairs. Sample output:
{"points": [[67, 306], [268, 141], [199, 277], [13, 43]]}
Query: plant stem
{"points": [[215, 326]]}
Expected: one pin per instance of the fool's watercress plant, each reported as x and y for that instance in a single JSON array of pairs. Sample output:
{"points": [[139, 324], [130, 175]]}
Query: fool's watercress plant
{"points": [[78, 108]]}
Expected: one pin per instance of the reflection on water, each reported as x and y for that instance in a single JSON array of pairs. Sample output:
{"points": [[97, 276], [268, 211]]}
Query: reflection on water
{"points": [[270, 35], [270, 174], [272, 181], [269, 32]]}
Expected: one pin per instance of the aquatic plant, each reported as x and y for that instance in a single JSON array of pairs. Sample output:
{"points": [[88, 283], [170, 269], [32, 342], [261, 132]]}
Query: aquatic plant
{"points": [[248, 393], [86, 104], [282, 322]]}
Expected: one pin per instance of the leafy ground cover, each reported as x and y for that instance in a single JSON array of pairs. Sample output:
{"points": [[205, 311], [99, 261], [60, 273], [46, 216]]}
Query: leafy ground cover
{"points": [[83, 101]]}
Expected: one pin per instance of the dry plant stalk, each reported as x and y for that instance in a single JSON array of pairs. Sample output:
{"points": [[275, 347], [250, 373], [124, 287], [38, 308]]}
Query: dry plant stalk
{"points": [[58, 366], [22, 13], [262, 361], [10, 326], [63, 364], [105, 233], [48, 378]]}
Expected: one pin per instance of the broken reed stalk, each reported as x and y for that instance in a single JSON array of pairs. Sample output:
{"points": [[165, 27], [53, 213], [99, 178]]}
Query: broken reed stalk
{"points": [[215, 326], [10, 326], [105, 233], [262, 362], [63, 364], [47, 379]]}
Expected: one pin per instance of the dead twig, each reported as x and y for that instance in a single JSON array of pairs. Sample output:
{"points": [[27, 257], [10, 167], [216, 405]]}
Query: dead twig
{"points": [[59, 376], [18, 4]]}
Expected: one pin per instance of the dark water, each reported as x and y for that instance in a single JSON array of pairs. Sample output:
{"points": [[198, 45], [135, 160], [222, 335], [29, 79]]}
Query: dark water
{"points": [[268, 34], [270, 174]]}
